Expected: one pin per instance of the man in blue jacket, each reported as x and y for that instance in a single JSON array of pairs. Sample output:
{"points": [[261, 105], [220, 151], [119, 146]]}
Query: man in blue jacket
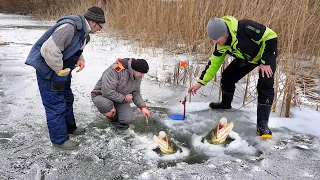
{"points": [[54, 56]]}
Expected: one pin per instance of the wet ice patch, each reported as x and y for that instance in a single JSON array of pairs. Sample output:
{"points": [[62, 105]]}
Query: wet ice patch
{"points": [[291, 154], [278, 147], [309, 175], [5, 137], [297, 141], [2, 92], [238, 145], [302, 147]]}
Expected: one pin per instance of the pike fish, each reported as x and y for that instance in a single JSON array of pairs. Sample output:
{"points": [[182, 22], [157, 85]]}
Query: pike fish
{"points": [[220, 133], [165, 145]]}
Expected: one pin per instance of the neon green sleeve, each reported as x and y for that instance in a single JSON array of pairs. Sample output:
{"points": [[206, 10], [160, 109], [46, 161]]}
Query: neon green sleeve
{"points": [[211, 69]]}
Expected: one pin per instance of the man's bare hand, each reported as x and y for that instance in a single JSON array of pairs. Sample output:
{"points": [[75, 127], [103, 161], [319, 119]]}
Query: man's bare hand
{"points": [[80, 63], [193, 89], [265, 69], [145, 112], [128, 98]]}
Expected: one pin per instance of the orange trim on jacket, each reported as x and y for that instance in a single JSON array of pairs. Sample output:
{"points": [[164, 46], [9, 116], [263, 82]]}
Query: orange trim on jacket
{"points": [[119, 67]]}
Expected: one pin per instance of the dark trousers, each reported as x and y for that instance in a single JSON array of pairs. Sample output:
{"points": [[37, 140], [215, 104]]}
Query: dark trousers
{"points": [[57, 98], [236, 70]]}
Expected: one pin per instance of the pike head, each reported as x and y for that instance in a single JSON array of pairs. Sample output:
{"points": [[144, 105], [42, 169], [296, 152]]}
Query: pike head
{"points": [[165, 145], [220, 133]]}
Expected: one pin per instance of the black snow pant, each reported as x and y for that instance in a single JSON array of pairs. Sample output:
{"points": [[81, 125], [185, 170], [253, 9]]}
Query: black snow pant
{"points": [[237, 70], [234, 72]]}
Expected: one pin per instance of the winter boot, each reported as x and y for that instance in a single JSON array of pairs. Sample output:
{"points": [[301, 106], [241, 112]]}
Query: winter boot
{"points": [[79, 131], [67, 145], [225, 103], [120, 125], [263, 113], [111, 114], [113, 118]]}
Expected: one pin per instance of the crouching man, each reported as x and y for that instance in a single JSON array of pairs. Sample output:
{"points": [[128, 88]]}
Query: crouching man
{"points": [[117, 87]]}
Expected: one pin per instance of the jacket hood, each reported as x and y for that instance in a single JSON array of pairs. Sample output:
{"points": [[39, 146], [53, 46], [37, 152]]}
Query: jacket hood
{"points": [[77, 19]]}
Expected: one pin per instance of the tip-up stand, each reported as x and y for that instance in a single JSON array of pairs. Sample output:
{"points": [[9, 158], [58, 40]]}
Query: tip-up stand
{"points": [[179, 116]]}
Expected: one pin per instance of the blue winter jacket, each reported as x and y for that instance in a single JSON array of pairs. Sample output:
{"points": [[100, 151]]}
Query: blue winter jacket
{"points": [[37, 61]]}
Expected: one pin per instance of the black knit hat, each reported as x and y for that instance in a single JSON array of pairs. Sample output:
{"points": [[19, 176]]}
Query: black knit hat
{"points": [[95, 14], [140, 65]]}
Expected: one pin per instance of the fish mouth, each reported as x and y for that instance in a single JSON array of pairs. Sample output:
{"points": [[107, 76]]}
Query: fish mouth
{"points": [[165, 145], [220, 133]]}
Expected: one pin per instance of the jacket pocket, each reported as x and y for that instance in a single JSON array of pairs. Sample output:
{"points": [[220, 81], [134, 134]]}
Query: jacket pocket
{"points": [[58, 83]]}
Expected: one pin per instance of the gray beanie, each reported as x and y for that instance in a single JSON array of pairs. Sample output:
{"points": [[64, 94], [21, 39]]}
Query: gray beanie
{"points": [[95, 14], [216, 28]]}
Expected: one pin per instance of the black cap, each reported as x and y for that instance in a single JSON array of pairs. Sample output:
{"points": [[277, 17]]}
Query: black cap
{"points": [[140, 65], [95, 14]]}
